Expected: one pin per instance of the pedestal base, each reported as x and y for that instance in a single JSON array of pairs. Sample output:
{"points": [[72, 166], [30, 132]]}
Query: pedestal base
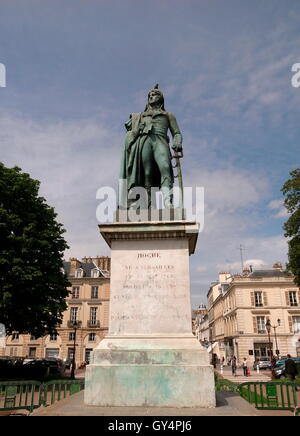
{"points": [[156, 372], [150, 356]]}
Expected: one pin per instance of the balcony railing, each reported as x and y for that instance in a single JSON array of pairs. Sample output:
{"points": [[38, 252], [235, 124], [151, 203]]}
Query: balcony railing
{"points": [[71, 325], [93, 324]]}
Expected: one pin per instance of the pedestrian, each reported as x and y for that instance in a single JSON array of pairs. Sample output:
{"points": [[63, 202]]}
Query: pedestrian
{"points": [[291, 368], [214, 360], [223, 361], [233, 366], [245, 367]]}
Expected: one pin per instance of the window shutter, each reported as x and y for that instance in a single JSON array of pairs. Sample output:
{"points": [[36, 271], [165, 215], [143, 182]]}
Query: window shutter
{"points": [[291, 324], [255, 325], [287, 298], [252, 299], [265, 299]]}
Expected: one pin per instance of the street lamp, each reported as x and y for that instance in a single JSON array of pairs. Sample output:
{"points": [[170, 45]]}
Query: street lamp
{"points": [[275, 327], [268, 327], [75, 325]]}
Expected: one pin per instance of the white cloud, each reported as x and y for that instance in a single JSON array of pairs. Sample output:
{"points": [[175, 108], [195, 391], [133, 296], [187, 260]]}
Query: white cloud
{"points": [[279, 206], [201, 268], [72, 160], [236, 266]]}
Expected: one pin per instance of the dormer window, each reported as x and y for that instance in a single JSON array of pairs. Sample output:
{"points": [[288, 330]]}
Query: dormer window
{"points": [[95, 273], [79, 273]]}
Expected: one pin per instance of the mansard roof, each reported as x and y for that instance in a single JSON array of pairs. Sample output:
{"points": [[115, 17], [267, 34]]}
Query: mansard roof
{"points": [[87, 268]]}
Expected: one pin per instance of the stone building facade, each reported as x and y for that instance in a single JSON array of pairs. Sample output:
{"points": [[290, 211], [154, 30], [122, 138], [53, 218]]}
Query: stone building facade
{"points": [[88, 305], [239, 307]]}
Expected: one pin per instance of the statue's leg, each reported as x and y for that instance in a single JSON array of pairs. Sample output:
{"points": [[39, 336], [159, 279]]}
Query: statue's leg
{"points": [[162, 158], [147, 161]]}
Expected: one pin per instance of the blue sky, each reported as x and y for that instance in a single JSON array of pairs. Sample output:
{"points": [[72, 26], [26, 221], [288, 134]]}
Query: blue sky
{"points": [[77, 68]]}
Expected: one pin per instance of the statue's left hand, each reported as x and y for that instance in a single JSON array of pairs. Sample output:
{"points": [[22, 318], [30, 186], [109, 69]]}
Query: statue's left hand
{"points": [[177, 148], [177, 143]]}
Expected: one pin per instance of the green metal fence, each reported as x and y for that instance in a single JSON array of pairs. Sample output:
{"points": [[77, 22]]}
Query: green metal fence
{"points": [[270, 395], [29, 395], [266, 395]]}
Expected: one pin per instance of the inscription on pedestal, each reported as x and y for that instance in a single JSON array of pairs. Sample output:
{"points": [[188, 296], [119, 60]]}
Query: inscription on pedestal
{"points": [[150, 290]]}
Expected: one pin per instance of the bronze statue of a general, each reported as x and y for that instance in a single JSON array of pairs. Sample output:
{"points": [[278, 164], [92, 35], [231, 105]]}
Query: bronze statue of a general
{"points": [[146, 160]]}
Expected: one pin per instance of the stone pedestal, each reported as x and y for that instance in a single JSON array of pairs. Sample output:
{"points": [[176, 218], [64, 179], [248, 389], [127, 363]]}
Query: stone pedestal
{"points": [[150, 356]]}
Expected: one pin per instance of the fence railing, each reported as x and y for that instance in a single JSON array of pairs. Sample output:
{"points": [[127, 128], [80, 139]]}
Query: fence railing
{"points": [[272, 396], [30, 395], [265, 395]]}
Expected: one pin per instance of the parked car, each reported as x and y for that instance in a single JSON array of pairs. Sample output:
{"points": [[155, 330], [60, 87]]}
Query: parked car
{"points": [[36, 369], [56, 366], [281, 362], [43, 367], [262, 363], [280, 373]]}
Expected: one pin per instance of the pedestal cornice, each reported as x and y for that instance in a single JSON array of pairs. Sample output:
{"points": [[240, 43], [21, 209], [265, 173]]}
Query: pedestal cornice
{"points": [[154, 230]]}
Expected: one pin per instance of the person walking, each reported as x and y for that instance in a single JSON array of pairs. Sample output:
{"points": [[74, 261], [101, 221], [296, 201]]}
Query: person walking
{"points": [[245, 367], [291, 368], [233, 366]]}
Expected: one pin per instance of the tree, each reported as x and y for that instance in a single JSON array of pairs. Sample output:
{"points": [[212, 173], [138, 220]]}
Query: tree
{"points": [[291, 190], [33, 286]]}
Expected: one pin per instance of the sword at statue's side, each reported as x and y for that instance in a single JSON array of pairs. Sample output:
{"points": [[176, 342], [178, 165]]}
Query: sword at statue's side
{"points": [[177, 156]]}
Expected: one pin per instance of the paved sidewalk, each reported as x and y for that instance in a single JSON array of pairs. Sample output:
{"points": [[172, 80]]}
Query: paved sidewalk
{"points": [[262, 376], [228, 404]]}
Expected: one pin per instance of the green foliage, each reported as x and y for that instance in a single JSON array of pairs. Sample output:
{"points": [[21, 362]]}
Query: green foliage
{"points": [[291, 191], [33, 286]]}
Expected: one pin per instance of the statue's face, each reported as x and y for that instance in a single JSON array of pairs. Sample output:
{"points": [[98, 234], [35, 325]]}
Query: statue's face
{"points": [[154, 97]]}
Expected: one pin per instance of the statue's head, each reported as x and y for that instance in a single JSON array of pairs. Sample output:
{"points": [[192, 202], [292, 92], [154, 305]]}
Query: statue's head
{"points": [[156, 96]]}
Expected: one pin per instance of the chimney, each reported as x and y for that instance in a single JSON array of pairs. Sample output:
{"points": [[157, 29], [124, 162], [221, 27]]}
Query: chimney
{"points": [[97, 261], [102, 262], [107, 263], [75, 264]]}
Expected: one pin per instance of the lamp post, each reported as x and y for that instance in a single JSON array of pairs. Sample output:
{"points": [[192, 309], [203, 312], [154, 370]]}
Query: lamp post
{"points": [[75, 325], [275, 327], [268, 327]]}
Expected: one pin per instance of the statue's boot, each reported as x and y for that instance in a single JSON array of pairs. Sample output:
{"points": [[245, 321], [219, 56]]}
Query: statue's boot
{"points": [[167, 192], [148, 189]]}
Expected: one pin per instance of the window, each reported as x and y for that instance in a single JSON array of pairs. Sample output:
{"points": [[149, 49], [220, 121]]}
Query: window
{"points": [[53, 338], [52, 353], [261, 324], [93, 315], [293, 298], [92, 337], [75, 292], [296, 324], [15, 337], [72, 336], [79, 273], [94, 293], [73, 314], [258, 299], [95, 273], [32, 352], [70, 353]]}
